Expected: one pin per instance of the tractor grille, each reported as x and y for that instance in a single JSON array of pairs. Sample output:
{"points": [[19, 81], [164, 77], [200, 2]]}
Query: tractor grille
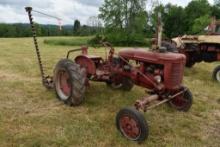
{"points": [[176, 75]]}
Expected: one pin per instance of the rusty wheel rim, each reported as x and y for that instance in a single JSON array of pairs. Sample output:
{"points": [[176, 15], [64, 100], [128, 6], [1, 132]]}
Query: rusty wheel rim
{"points": [[63, 85], [130, 127]]}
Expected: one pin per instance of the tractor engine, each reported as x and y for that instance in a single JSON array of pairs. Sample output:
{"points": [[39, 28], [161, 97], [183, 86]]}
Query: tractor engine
{"points": [[154, 70]]}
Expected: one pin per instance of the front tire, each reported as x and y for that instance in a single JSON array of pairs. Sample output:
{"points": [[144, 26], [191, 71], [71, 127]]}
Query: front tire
{"points": [[216, 74], [69, 80], [182, 102], [132, 124]]}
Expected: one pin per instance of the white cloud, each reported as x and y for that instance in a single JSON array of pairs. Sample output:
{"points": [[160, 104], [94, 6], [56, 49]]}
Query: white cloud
{"points": [[182, 2], [69, 10]]}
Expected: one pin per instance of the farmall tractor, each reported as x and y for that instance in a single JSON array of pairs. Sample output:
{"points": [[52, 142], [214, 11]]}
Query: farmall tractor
{"points": [[159, 71], [200, 48]]}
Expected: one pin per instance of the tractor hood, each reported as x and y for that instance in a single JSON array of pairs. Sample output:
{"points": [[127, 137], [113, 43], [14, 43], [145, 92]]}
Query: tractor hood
{"points": [[151, 56]]}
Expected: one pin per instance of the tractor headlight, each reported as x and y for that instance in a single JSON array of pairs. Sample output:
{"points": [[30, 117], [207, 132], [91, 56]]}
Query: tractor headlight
{"points": [[158, 79]]}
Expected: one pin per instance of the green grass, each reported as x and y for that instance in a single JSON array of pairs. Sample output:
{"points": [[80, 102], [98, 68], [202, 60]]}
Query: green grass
{"points": [[67, 41], [30, 115]]}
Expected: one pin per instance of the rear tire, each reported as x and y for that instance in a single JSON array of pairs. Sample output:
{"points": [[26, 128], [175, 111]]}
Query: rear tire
{"points": [[216, 74], [125, 84], [190, 64], [132, 124], [182, 102], [69, 80]]}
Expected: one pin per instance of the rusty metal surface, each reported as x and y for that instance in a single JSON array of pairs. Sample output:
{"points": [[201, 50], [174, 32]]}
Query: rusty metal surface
{"points": [[145, 103], [142, 104], [130, 126]]}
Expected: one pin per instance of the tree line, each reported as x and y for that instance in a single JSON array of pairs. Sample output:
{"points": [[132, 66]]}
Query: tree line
{"points": [[24, 30], [127, 22]]}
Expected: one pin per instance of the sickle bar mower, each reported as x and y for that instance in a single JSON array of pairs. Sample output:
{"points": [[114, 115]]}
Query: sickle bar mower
{"points": [[160, 72]]}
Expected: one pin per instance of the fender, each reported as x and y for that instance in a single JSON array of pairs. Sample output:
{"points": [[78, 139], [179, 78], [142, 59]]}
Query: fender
{"points": [[87, 63]]}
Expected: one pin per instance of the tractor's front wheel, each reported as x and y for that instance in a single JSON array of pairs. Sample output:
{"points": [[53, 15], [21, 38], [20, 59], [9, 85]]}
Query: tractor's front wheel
{"points": [[69, 80], [182, 102], [216, 74], [132, 124]]}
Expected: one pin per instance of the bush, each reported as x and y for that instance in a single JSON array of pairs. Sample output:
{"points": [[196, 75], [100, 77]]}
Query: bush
{"points": [[121, 38], [74, 41], [96, 40]]}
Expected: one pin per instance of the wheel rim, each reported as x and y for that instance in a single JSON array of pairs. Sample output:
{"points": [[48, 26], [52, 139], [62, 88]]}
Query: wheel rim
{"points": [[129, 127], [218, 76], [63, 85], [180, 101]]}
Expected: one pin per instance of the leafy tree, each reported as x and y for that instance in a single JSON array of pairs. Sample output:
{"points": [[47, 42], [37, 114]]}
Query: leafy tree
{"points": [[76, 27], [111, 13], [196, 9], [200, 24], [174, 21], [217, 3], [215, 11], [125, 21]]}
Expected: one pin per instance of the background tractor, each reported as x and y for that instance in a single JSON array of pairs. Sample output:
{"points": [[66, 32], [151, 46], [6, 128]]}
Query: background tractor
{"points": [[158, 71], [198, 48]]}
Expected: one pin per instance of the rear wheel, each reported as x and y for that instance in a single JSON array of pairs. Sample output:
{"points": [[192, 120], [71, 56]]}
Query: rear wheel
{"points": [[182, 102], [124, 83], [69, 81], [216, 74], [132, 124], [127, 84], [190, 64]]}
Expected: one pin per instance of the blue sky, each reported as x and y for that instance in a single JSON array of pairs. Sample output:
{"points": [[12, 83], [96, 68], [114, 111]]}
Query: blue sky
{"points": [[12, 11]]}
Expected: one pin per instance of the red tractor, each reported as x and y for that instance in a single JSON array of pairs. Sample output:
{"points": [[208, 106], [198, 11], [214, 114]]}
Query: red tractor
{"points": [[198, 48], [159, 71]]}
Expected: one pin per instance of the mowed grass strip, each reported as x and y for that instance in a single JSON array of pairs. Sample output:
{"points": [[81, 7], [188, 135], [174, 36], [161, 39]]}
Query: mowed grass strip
{"points": [[30, 115], [67, 41]]}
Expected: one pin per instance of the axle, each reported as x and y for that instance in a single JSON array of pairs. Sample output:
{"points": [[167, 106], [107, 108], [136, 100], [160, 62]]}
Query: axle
{"points": [[144, 104]]}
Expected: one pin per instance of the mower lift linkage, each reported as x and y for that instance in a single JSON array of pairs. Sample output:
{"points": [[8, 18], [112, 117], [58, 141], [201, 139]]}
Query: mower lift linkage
{"points": [[144, 103], [47, 81]]}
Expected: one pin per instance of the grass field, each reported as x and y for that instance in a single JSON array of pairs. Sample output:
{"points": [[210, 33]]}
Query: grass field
{"points": [[68, 41], [30, 115]]}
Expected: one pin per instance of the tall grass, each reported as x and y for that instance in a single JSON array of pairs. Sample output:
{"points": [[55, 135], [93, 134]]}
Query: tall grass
{"points": [[30, 115], [73, 41]]}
